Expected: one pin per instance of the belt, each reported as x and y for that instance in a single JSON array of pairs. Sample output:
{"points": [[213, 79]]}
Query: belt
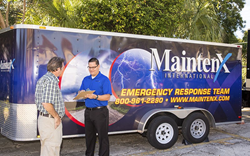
{"points": [[95, 108], [46, 115]]}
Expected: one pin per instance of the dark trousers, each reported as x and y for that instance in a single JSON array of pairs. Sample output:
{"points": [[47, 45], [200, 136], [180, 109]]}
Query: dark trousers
{"points": [[97, 121]]}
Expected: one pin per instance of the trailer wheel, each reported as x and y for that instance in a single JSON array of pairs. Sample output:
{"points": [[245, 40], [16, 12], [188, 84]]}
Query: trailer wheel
{"points": [[162, 132], [195, 128]]}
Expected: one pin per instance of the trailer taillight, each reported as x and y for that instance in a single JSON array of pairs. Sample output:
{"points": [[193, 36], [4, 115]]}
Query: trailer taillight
{"points": [[239, 117], [178, 107]]}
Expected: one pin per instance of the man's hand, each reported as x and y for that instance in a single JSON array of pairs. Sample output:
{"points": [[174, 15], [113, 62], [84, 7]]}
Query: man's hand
{"points": [[57, 121], [50, 109], [81, 91], [91, 96]]}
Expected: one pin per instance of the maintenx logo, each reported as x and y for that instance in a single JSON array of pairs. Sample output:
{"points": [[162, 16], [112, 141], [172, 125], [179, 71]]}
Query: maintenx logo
{"points": [[189, 67], [6, 66]]}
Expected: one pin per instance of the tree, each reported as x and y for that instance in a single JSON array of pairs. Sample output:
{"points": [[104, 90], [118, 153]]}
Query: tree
{"points": [[244, 44], [208, 20], [53, 13], [228, 12], [12, 8], [159, 18], [201, 22], [24, 8], [4, 8]]}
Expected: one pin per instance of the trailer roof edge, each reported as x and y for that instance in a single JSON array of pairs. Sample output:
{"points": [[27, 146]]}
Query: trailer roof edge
{"points": [[95, 32]]}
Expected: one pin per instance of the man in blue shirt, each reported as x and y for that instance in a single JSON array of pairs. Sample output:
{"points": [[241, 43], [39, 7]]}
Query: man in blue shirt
{"points": [[96, 113]]}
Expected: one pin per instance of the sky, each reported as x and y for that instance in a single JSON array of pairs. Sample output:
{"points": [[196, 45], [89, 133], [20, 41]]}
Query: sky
{"points": [[245, 15]]}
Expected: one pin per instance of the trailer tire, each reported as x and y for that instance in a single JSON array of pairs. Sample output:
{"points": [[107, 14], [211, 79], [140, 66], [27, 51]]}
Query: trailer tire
{"points": [[162, 132], [195, 128]]}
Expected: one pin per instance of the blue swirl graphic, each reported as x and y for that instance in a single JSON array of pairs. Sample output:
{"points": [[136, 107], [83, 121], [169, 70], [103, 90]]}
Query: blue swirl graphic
{"points": [[221, 65], [11, 64]]}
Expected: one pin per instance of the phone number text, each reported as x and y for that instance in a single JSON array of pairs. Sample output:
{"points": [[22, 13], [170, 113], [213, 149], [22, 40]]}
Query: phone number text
{"points": [[139, 100]]}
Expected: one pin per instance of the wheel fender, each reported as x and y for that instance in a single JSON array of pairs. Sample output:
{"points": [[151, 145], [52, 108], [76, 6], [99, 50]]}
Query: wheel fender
{"points": [[180, 113]]}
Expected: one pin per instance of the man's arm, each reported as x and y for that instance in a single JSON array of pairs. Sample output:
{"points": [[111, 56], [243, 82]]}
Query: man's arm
{"points": [[50, 109], [104, 97]]}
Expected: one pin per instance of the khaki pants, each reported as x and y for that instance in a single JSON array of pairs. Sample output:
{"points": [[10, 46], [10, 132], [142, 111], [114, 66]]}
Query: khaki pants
{"points": [[50, 137]]}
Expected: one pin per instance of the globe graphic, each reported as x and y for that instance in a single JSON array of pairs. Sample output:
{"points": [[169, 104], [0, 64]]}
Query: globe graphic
{"points": [[132, 70]]}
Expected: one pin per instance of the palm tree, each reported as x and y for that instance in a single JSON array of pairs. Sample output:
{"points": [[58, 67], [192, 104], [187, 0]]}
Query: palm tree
{"points": [[53, 13], [202, 22]]}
